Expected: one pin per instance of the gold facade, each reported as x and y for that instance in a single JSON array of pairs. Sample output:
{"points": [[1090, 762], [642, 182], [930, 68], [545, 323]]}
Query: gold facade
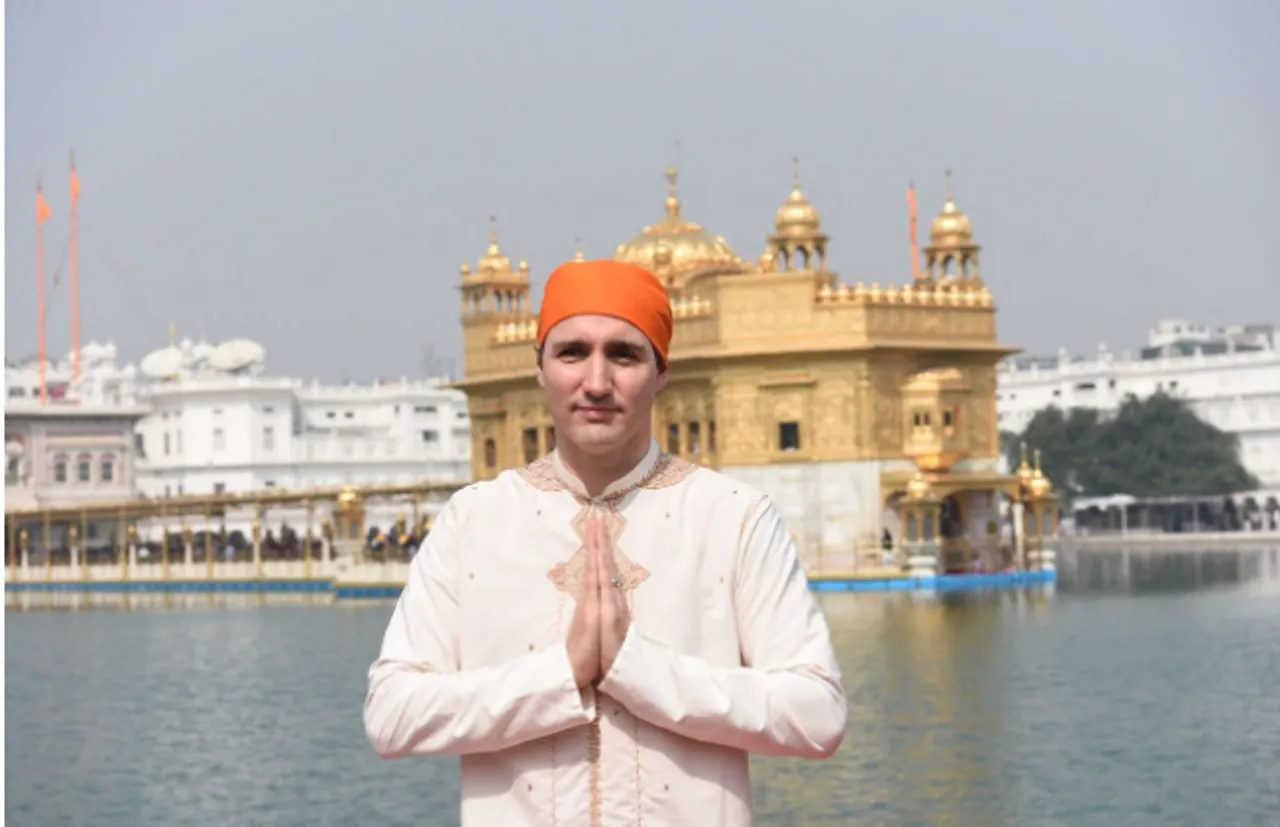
{"points": [[774, 360]]}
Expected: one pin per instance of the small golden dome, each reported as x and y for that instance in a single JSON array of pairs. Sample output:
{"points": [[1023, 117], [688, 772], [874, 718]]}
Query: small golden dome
{"points": [[493, 260], [935, 380], [797, 216], [1039, 486], [682, 245], [919, 488], [1024, 468], [349, 497], [951, 226]]}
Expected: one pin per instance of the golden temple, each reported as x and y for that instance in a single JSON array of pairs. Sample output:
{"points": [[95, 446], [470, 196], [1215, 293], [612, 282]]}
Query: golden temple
{"points": [[832, 397]]}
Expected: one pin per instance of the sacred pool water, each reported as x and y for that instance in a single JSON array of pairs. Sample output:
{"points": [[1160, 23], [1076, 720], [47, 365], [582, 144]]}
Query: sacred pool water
{"points": [[1143, 690]]}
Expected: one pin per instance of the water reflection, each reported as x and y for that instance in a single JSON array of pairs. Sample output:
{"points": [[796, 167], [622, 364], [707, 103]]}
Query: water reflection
{"points": [[1146, 570], [928, 683], [1079, 706]]}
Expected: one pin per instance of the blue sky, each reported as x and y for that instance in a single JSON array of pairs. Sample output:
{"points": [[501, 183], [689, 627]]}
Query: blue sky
{"points": [[311, 174]]}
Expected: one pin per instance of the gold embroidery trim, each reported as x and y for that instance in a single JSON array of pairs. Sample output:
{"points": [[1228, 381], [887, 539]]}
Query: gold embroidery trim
{"points": [[567, 577]]}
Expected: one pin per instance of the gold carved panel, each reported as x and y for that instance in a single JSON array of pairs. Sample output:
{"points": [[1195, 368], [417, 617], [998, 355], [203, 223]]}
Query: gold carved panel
{"points": [[740, 436], [837, 419], [886, 390], [984, 438]]}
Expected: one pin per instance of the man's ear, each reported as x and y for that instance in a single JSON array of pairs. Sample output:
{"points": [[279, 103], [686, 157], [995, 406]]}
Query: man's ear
{"points": [[663, 377]]}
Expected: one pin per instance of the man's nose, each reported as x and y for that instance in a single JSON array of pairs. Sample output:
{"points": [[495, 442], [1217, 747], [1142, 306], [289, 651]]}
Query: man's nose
{"points": [[598, 381]]}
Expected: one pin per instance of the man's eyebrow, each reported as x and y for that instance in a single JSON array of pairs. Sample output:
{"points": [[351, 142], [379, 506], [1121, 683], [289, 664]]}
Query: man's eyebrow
{"points": [[625, 346]]}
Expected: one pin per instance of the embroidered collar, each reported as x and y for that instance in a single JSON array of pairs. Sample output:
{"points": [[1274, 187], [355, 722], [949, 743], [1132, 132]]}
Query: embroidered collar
{"points": [[656, 470], [617, 489]]}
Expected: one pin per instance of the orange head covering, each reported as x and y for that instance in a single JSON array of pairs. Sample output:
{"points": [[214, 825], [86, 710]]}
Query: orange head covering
{"points": [[608, 288]]}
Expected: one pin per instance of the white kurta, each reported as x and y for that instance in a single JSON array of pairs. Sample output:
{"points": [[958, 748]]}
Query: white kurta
{"points": [[728, 652]]}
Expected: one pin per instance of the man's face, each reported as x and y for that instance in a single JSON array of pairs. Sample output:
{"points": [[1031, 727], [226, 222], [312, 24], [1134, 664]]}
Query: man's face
{"points": [[600, 375]]}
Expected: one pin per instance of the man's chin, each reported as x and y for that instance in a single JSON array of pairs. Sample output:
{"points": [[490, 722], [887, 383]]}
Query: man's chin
{"points": [[598, 438]]}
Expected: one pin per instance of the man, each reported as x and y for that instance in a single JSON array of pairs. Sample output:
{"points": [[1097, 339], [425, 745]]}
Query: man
{"points": [[605, 634]]}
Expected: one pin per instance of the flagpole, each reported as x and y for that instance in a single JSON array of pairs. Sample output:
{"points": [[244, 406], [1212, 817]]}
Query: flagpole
{"points": [[915, 249], [75, 271], [41, 215]]}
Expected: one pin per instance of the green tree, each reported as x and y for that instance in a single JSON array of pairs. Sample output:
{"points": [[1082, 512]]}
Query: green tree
{"points": [[1158, 447], [1065, 441], [1153, 447]]}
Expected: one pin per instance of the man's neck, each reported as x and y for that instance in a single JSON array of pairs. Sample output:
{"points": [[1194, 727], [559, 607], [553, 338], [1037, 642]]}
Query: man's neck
{"points": [[598, 471]]}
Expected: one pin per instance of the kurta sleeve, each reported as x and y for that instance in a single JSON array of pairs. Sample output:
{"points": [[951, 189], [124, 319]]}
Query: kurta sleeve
{"points": [[785, 699], [419, 700]]}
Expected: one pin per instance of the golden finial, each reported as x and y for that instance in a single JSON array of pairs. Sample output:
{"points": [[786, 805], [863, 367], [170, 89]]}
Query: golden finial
{"points": [[173, 335], [1040, 485], [951, 193], [673, 199], [578, 255], [493, 235], [1024, 472], [795, 171]]}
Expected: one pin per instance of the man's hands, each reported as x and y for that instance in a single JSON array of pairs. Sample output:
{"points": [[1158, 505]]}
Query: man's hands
{"points": [[615, 615], [601, 619]]}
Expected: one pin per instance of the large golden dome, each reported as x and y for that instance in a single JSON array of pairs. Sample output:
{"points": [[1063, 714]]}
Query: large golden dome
{"points": [[676, 245]]}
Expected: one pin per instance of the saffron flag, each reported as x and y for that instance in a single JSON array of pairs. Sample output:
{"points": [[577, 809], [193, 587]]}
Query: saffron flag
{"points": [[42, 208]]}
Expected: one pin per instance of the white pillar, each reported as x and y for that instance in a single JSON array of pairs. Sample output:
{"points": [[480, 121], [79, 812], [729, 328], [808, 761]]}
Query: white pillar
{"points": [[1019, 540]]}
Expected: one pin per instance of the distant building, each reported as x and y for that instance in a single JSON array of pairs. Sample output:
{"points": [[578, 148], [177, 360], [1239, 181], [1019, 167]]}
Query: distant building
{"points": [[78, 447], [61, 455], [1230, 377], [194, 418]]}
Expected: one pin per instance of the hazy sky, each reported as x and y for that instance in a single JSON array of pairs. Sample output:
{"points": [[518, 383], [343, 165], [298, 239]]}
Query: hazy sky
{"points": [[311, 174]]}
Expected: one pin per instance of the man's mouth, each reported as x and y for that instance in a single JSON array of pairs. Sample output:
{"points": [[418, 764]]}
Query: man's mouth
{"points": [[596, 411]]}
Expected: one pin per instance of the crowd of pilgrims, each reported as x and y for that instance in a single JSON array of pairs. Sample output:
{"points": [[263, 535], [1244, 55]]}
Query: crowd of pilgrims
{"points": [[283, 542]]}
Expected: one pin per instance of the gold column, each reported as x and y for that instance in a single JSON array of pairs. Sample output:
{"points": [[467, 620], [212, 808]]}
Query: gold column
{"points": [[164, 545], [188, 549], [130, 542], [84, 545], [306, 543], [73, 542], [48, 549], [257, 544], [11, 549], [122, 541], [208, 544]]}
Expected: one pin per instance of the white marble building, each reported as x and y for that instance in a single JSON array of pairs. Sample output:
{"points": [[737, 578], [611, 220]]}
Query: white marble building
{"points": [[209, 419], [1229, 377], [78, 445]]}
